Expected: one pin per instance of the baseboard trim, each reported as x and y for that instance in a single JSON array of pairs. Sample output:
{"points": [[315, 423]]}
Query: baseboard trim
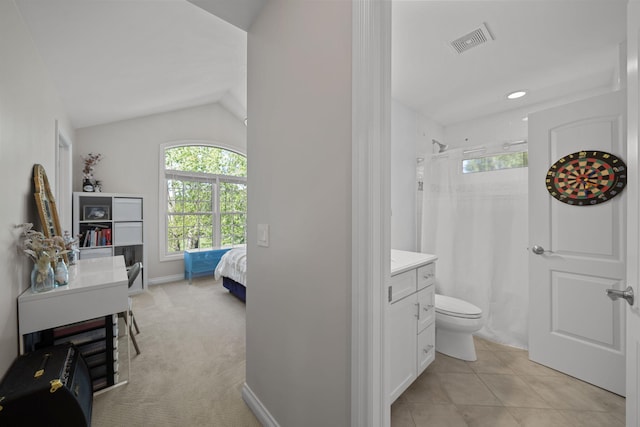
{"points": [[166, 279], [258, 409]]}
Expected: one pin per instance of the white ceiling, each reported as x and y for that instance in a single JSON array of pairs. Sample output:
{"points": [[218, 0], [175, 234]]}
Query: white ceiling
{"points": [[550, 48], [117, 59]]}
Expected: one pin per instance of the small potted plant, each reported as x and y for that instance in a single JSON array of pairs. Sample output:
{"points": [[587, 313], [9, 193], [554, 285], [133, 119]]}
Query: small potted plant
{"points": [[43, 251]]}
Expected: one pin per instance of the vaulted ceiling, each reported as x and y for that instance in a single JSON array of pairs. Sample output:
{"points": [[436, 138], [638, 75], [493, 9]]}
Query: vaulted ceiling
{"points": [[113, 60]]}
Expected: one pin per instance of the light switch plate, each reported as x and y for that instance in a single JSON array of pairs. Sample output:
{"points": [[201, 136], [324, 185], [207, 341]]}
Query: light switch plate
{"points": [[263, 235]]}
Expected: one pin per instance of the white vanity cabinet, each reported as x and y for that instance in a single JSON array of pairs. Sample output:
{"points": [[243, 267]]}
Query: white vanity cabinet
{"points": [[411, 316]]}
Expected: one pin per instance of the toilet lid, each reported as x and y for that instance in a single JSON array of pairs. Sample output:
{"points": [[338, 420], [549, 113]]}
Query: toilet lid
{"points": [[456, 307]]}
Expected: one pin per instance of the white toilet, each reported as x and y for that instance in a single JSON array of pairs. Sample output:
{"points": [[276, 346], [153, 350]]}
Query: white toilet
{"points": [[456, 320]]}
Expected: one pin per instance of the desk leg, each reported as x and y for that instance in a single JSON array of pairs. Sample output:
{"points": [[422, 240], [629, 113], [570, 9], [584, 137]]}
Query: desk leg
{"points": [[128, 338]]}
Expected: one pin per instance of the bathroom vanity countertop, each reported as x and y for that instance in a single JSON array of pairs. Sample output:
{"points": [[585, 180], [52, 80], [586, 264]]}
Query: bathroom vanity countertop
{"points": [[402, 261]]}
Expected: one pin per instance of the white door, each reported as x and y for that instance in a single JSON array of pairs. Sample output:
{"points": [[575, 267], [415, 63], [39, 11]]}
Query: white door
{"points": [[633, 229], [573, 326]]}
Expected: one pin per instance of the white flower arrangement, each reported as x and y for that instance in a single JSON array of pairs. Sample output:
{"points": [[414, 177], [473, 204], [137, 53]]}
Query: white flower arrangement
{"points": [[40, 249]]}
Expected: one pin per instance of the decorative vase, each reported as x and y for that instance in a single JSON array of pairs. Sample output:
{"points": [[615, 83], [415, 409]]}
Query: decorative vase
{"points": [[42, 281], [71, 256], [62, 273], [87, 185], [71, 245]]}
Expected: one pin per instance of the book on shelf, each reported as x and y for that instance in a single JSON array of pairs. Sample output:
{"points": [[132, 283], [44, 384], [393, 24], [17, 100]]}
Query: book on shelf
{"points": [[98, 236]]}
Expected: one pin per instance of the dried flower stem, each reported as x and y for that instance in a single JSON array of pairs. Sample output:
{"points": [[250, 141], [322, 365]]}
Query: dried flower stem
{"points": [[90, 161], [40, 249]]}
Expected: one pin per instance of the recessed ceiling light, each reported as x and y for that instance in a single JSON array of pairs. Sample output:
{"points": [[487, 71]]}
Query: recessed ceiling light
{"points": [[516, 94]]}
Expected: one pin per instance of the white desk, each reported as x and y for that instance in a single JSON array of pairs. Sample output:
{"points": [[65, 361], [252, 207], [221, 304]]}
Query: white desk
{"points": [[97, 287]]}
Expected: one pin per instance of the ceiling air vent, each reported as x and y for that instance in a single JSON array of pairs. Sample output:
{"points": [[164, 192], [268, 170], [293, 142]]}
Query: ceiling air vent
{"points": [[473, 39]]}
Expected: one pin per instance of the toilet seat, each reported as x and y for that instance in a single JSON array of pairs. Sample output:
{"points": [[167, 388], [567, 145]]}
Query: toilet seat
{"points": [[455, 307]]}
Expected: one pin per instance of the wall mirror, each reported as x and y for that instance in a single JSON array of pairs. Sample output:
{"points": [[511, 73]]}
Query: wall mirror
{"points": [[46, 204]]}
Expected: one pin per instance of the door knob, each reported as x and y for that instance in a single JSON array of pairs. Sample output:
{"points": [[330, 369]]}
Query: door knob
{"points": [[627, 294], [538, 250]]}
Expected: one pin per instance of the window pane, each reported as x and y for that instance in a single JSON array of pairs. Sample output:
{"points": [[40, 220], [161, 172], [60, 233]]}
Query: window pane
{"points": [[233, 229], [190, 236], [205, 231], [205, 159], [233, 197], [233, 205], [175, 233], [174, 196], [173, 245], [497, 162]]}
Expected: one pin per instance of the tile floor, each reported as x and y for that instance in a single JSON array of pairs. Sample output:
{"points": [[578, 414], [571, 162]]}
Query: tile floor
{"points": [[503, 388]]}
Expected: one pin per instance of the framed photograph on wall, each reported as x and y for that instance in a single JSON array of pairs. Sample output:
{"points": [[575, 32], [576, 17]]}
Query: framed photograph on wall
{"points": [[95, 213]]}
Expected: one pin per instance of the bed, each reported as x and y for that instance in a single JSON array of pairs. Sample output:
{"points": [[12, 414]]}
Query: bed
{"points": [[232, 268]]}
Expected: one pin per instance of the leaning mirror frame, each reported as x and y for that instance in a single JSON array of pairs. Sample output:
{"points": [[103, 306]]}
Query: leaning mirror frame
{"points": [[46, 205]]}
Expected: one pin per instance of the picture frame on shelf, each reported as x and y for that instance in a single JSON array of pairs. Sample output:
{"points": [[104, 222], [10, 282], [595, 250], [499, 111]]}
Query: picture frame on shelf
{"points": [[95, 212]]}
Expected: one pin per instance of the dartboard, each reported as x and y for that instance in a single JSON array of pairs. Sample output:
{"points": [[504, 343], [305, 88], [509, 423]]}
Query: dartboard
{"points": [[586, 178]]}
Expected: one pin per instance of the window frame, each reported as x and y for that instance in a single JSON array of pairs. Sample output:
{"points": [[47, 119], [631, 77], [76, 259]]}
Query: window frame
{"points": [[163, 253]]}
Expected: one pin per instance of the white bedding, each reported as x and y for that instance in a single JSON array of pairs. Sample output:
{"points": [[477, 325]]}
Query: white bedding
{"points": [[233, 265]]}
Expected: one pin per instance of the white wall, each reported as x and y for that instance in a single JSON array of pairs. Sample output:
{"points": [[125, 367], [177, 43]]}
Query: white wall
{"points": [[404, 136], [29, 107], [411, 136], [428, 130], [488, 130], [506, 126], [131, 156], [299, 144]]}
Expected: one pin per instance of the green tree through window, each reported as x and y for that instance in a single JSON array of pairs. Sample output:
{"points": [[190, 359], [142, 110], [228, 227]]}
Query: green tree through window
{"points": [[206, 196], [496, 162]]}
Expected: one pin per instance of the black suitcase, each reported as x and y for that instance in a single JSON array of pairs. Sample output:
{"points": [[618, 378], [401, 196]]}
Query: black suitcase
{"points": [[48, 387]]}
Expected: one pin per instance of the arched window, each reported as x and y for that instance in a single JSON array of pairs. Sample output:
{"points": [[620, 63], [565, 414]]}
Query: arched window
{"points": [[205, 197]]}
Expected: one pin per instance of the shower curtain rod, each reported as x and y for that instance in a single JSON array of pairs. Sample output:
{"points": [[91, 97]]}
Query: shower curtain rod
{"points": [[474, 150], [505, 146]]}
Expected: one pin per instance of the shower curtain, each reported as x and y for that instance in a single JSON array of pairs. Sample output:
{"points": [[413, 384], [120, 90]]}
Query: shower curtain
{"points": [[476, 224]]}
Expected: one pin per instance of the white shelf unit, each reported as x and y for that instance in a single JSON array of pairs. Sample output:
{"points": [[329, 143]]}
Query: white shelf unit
{"points": [[111, 224]]}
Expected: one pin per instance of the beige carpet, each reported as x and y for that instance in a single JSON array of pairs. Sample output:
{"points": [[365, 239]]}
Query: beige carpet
{"points": [[192, 365]]}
